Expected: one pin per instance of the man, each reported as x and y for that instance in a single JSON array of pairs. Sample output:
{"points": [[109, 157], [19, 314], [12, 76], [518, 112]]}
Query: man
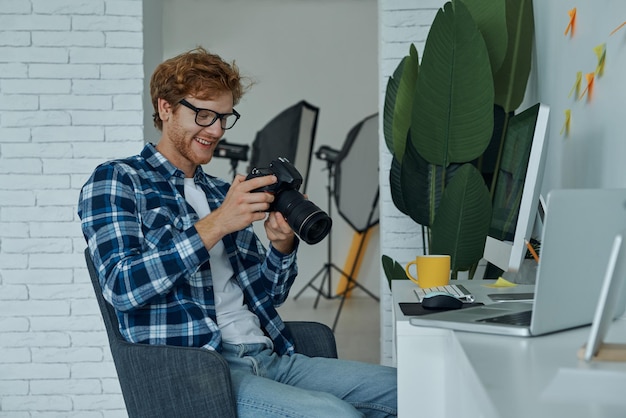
{"points": [[179, 261]]}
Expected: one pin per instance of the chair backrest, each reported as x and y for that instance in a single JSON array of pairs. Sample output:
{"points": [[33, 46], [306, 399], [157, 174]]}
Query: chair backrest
{"points": [[108, 313], [162, 381]]}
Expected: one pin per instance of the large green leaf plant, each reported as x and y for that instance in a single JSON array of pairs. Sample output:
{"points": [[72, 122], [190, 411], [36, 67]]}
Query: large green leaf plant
{"points": [[445, 119]]}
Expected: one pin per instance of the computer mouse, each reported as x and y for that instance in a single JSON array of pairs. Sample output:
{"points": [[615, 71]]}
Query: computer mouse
{"points": [[441, 301]]}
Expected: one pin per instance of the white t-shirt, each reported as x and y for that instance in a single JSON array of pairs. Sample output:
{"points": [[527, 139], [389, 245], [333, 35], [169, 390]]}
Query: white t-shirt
{"points": [[237, 324]]}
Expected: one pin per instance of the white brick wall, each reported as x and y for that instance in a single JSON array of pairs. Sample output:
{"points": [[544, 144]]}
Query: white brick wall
{"points": [[71, 80], [401, 22]]}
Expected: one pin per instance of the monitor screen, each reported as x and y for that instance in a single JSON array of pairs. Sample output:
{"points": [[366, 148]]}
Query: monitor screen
{"points": [[518, 187]]}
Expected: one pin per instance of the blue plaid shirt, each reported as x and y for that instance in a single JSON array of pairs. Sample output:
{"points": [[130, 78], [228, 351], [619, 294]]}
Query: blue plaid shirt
{"points": [[154, 268]]}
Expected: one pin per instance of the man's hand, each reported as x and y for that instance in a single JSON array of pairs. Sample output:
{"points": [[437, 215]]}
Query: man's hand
{"points": [[240, 208], [279, 232]]}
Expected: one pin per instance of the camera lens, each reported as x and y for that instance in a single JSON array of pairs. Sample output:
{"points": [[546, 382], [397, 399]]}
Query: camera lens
{"points": [[308, 221]]}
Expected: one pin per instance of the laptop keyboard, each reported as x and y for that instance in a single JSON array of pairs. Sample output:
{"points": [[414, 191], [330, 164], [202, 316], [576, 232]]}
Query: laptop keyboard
{"points": [[518, 318], [456, 289]]}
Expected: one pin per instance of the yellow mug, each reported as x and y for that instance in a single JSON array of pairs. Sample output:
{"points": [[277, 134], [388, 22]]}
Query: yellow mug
{"points": [[432, 270]]}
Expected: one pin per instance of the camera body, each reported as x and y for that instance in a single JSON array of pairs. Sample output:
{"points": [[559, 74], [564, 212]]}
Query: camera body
{"points": [[308, 221], [289, 178]]}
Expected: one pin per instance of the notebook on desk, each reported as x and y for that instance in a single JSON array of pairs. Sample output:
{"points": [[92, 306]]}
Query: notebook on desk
{"points": [[576, 243]]}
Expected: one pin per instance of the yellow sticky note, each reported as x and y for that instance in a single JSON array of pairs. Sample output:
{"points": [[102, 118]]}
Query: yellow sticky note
{"points": [[600, 52], [576, 87], [567, 123], [501, 282]]}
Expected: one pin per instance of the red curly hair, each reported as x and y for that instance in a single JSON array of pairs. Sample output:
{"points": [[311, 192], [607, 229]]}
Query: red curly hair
{"points": [[195, 73]]}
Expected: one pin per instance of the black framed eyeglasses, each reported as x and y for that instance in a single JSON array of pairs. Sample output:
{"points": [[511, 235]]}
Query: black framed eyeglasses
{"points": [[207, 117]]}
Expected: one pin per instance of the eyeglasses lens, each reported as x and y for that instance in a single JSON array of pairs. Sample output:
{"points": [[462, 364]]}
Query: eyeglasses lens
{"points": [[207, 118]]}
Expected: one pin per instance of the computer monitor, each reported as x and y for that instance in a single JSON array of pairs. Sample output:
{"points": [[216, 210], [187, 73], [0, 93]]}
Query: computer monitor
{"points": [[518, 186]]}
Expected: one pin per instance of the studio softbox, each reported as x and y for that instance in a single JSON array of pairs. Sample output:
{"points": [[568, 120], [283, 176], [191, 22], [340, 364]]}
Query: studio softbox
{"points": [[356, 176], [291, 134]]}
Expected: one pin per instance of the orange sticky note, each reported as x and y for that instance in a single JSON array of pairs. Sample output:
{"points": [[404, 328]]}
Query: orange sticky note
{"points": [[589, 89], [618, 28], [571, 27]]}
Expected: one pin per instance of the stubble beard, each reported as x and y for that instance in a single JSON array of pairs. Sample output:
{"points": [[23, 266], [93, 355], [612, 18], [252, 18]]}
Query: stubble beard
{"points": [[184, 143]]}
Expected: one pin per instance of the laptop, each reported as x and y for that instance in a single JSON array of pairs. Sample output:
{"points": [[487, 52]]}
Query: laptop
{"points": [[611, 301], [579, 228]]}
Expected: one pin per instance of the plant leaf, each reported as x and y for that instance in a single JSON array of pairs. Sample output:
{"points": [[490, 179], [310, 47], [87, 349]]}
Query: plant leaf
{"points": [[510, 81], [397, 195], [404, 102], [453, 110], [420, 194], [490, 17], [462, 222], [390, 103], [393, 270], [421, 185]]}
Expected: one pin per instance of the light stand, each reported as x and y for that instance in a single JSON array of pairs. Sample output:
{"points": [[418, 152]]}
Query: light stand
{"points": [[328, 266], [234, 152], [233, 167], [350, 277], [353, 168], [331, 157], [355, 190]]}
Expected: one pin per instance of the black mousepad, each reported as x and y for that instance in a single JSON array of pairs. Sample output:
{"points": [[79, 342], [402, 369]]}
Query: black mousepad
{"points": [[416, 309]]}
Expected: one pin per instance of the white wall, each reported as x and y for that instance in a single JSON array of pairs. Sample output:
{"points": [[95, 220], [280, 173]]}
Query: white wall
{"points": [[593, 154], [71, 80], [321, 51]]}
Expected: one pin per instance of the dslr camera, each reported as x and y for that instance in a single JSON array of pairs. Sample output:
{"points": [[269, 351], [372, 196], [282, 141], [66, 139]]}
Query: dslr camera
{"points": [[308, 221]]}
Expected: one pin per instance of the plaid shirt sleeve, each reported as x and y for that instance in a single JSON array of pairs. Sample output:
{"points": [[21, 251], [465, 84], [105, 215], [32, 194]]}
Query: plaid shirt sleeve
{"points": [[144, 267]]}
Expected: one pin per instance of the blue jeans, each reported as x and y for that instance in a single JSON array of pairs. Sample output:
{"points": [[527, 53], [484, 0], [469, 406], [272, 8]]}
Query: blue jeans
{"points": [[269, 385]]}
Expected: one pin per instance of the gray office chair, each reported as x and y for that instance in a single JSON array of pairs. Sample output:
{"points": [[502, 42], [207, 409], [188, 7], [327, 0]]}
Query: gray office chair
{"points": [[168, 381]]}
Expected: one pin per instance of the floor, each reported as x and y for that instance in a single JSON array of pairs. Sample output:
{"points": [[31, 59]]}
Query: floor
{"points": [[358, 329]]}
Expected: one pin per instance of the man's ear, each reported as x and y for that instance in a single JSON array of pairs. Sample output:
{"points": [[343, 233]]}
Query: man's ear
{"points": [[165, 109]]}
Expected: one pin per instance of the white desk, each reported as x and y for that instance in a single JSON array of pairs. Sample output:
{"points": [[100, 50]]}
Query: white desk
{"points": [[444, 373]]}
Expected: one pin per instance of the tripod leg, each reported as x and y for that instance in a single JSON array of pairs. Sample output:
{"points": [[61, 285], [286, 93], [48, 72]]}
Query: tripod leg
{"points": [[350, 285], [319, 293], [310, 283], [356, 284], [326, 269], [343, 299]]}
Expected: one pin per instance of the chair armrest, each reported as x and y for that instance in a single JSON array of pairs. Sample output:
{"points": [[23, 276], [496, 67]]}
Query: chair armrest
{"points": [[313, 339], [168, 381]]}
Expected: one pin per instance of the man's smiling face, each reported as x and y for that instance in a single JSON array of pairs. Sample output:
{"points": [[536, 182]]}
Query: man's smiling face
{"points": [[186, 144]]}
